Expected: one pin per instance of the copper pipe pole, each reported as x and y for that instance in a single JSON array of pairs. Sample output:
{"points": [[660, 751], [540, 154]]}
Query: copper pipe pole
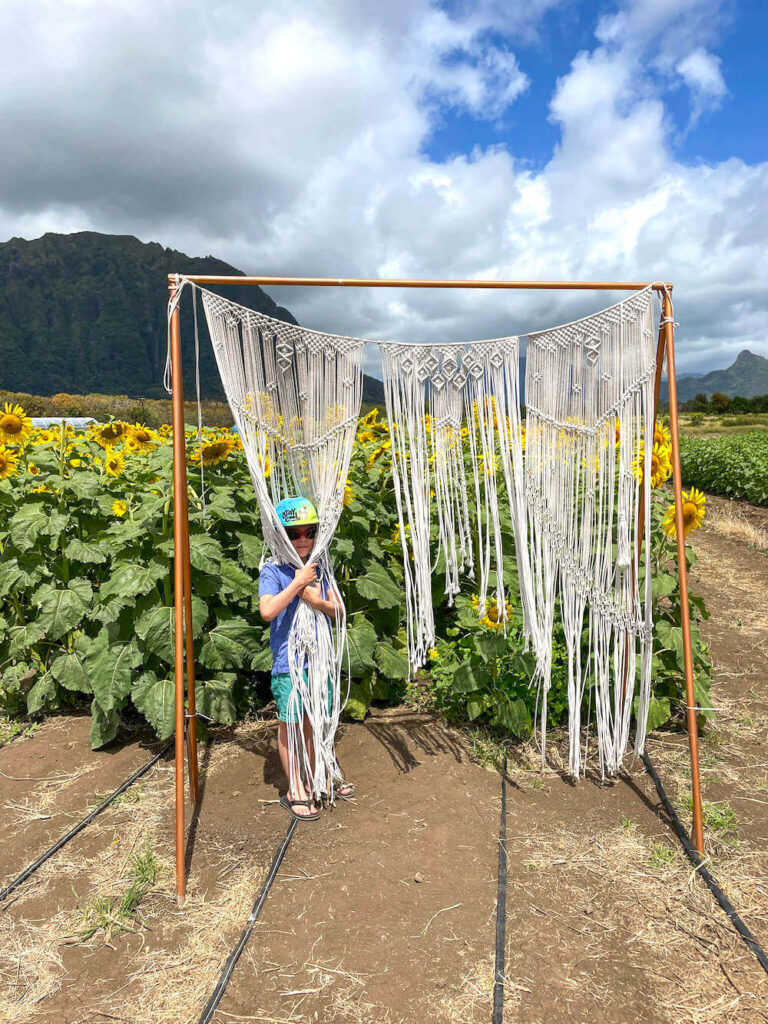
{"points": [[194, 789], [685, 621], [179, 492], [379, 282]]}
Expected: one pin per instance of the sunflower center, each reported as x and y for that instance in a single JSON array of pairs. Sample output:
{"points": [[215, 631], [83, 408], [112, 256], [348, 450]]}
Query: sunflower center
{"points": [[11, 424], [690, 511], [112, 431]]}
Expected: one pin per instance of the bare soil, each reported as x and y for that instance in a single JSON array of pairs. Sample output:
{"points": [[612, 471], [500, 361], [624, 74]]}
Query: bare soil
{"points": [[384, 909]]}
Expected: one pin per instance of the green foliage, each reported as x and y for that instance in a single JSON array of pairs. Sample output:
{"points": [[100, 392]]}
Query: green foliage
{"points": [[733, 465], [86, 598]]}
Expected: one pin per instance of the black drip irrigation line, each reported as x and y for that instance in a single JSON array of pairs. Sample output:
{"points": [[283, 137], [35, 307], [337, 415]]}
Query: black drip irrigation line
{"points": [[6, 892], [700, 864], [501, 905], [231, 961]]}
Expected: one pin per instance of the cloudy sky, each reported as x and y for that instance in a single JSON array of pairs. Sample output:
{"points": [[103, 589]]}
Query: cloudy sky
{"points": [[518, 139]]}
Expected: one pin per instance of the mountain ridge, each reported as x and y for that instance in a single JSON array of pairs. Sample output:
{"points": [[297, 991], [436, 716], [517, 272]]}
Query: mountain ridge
{"points": [[747, 376], [86, 312]]}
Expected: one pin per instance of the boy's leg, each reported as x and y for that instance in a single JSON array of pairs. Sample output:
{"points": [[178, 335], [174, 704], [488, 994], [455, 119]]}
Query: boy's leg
{"points": [[309, 740], [296, 790]]}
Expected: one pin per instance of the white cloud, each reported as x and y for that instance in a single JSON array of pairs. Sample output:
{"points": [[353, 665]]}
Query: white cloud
{"points": [[291, 139], [702, 74]]}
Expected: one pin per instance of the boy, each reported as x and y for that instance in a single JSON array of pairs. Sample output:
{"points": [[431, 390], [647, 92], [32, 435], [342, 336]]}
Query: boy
{"points": [[281, 587]]}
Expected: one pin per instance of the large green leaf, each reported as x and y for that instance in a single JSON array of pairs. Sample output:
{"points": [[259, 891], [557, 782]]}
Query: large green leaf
{"points": [[69, 668], [85, 551], [59, 611], [490, 647], [12, 677], [659, 712], [26, 525], [465, 680], [214, 699], [359, 700], [231, 644], [22, 637], [379, 586], [43, 690], [205, 552], [130, 579], [155, 699], [110, 669], [236, 581], [55, 524], [156, 627], [251, 548], [362, 638], [392, 663], [514, 716], [104, 725]]}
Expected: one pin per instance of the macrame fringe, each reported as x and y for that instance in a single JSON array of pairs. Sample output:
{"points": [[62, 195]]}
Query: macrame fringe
{"points": [[574, 486], [295, 397]]}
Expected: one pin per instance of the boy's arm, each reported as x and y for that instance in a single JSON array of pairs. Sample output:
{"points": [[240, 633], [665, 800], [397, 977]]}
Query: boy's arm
{"points": [[270, 605], [312, 595]]}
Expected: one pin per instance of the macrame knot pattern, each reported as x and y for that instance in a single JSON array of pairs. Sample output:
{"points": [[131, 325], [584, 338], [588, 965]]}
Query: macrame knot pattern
{"points": [[589, 391], [295, 396]]}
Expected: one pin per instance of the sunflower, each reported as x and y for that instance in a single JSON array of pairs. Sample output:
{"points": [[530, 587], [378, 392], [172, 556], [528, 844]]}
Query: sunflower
{"points": [[42, 436], [119, 507], [693, 513], [213, 452], [33, 469], [377, 452], [432, 654], [493, 618], [114, 462], [8, 464], [661, 436], [143, 437], [661, 467], [39, 490], [15, 427], [75, 463], [132, 446], [349, 494], [108, 434]]}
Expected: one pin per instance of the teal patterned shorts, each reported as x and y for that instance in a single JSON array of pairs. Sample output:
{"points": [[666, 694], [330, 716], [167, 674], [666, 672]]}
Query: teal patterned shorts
{"points": [[281, 691]]}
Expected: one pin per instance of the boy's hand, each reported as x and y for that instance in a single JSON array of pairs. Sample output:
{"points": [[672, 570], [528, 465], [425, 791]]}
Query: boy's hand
{"points": [[306, 576], [311, 594]]}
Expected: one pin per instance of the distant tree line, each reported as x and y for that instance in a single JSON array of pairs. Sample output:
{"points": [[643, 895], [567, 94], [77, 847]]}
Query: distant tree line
{"points": [[719, 404]]}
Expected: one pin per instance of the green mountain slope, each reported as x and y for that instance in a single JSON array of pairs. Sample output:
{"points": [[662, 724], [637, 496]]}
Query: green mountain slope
{"points": [[747, 376], [86, 312]]}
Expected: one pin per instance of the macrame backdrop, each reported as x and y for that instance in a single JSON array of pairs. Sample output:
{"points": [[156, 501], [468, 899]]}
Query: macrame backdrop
{"points": [[295, 396], [575, 492], [590, 421], [435, 396]]}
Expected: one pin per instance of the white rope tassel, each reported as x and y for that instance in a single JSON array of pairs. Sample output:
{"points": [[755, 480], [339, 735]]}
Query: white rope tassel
{"points": [[436, 394], [589, 393], [295, 396]]}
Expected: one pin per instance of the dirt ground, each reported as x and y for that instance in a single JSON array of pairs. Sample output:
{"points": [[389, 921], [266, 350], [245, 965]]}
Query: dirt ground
{"points": [[383, 911]]}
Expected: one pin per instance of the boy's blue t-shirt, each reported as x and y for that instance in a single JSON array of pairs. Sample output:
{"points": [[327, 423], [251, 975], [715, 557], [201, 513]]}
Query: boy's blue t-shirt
{"points": [[272, 580]]}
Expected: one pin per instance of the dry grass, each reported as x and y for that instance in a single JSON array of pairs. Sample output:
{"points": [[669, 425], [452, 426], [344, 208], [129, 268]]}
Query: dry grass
{"points": [[736, 526], [31, 969]]}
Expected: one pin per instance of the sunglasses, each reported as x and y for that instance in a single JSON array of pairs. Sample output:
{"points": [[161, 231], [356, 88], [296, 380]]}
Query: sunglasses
{"points": [[295, 532]]}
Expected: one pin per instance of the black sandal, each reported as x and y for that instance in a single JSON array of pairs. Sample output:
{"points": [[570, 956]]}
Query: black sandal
{"points": [[289, 804]]}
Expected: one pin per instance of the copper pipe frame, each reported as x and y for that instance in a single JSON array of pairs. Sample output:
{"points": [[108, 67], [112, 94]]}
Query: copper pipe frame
{"points": [[682, 569], [182, 605], [382, 282], [182, 584]]}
